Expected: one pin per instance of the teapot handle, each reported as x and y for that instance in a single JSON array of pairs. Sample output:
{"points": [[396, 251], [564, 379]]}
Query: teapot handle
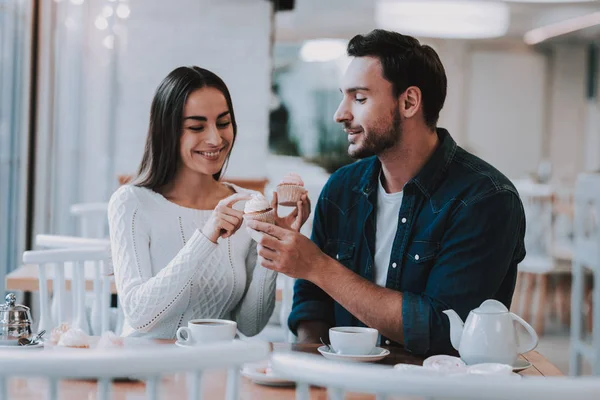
{"points": [[532, 344]]}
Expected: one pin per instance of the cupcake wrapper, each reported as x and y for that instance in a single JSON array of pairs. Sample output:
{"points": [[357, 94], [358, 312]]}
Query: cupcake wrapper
{"points": [[267, 216], [289, 195]]}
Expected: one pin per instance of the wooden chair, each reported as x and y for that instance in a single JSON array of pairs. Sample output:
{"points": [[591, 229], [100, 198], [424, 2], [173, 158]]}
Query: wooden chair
{"points": [[384, 382], [148, 364], [258, 185]]}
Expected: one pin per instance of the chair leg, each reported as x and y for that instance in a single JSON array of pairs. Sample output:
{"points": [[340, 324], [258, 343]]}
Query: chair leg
{"points": [[563, 296], [529, 282], [543, 280], [588, 309]]}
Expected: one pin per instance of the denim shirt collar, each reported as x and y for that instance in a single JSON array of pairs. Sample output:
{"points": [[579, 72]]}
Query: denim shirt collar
{"points": [[427, 179]]}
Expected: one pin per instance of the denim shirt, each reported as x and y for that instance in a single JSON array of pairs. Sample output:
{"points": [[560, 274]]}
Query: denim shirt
{"points": [[459, 239]]}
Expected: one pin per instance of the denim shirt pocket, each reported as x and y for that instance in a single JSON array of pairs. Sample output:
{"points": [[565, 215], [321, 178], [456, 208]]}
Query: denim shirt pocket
{"points": [[421, 251], [341, 251], [420, 258]]}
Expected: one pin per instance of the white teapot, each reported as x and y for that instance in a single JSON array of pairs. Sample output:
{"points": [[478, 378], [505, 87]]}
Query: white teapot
{"points": [[489, 335]]}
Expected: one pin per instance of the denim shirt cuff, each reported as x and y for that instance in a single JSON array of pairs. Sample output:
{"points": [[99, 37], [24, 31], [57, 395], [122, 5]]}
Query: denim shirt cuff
{"points": [[309, 311], [415, 320]]}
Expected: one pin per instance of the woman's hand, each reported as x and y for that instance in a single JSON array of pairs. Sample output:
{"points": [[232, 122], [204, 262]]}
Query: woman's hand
{"points": [[297, 218], [224, 220]]}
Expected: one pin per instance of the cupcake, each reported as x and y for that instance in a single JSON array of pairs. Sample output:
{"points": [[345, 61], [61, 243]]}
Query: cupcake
{"points": [[109, 340], [290, 190], [259, 209], [58, 332], [74, 338]]}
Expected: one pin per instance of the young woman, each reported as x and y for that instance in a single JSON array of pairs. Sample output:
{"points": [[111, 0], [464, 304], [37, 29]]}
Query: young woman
{"points": [[178, 252]]}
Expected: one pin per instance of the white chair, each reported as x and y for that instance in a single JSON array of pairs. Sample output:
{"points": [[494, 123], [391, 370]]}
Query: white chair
{"points": [[69, 242], [586, 258], [149, 364], [93, 219], [384, 381], [63, 242], [77, 259], [539, 263]]}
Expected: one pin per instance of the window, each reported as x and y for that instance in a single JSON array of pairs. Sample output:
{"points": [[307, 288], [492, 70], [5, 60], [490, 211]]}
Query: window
{"points": [[15, 40]]}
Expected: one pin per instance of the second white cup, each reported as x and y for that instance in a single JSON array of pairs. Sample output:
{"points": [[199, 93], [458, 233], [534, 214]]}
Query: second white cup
{"points": [[202, 331]]}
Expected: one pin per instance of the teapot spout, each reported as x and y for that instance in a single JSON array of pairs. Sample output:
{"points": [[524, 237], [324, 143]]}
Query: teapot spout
{"points": [[456, 327]]}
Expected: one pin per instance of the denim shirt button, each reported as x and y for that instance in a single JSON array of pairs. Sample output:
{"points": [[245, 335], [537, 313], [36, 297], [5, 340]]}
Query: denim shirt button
{"points": [[387, 342], [337, 256], [417, 257], [394, 265], [403, 220]]}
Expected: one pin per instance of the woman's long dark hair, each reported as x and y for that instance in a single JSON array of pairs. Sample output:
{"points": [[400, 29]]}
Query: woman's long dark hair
{"points": [[162, 151]]}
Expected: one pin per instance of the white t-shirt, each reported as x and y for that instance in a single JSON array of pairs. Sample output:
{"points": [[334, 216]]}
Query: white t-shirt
{"points": [[388, 208]]}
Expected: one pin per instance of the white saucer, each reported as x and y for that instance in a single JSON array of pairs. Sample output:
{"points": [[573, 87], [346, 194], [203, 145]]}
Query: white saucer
{"points": [[13, 347], [257, 374], [453, 363], [180, 344], [417, 369], [377, 354], [521, 365]]}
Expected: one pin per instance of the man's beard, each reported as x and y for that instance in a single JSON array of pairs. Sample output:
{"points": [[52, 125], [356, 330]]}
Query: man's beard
{"points": [[378, 140]]}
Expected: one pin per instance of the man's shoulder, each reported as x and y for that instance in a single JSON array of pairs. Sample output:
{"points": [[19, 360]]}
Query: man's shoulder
{"points": [[472, 179]]}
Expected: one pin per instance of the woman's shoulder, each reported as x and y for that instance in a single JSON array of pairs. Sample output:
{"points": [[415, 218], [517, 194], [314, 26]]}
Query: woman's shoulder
{"points": [[129, 197]]}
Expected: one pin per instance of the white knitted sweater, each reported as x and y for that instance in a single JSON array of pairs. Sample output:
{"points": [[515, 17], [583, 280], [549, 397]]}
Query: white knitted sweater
{"points": [[167, 272]]}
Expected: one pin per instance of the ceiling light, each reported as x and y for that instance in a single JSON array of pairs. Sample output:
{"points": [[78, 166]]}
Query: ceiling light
{"points": [[549, 1], [322, 50], [101, 22], [444, 19], [123, 11]]}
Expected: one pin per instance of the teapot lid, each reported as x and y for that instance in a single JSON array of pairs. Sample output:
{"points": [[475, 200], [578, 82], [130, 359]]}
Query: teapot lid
{"points": [[10, 304], [491, 307]]}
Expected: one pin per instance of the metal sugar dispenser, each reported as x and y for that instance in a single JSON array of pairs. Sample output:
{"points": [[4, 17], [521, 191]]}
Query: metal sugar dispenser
{"points": [[15, 322]]}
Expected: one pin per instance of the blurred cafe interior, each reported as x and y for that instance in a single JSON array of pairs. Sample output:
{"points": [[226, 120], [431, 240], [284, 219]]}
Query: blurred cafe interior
{"points": [[77, 79]]}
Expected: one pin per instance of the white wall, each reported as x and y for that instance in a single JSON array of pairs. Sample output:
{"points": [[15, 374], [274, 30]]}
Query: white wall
{"points": [[495, 104], [233, 39], [567, 111], [505, 117]]}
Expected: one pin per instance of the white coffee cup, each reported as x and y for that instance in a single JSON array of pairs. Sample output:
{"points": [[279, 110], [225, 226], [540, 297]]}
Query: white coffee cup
{"points": [[353, 340], [202, 331]]}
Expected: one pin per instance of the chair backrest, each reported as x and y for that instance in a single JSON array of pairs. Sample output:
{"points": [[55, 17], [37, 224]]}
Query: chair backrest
{"points": [[93, 219], [149, 364], [96, 258], [69, 242], [64, 242], [537, 204], [383, 381]]}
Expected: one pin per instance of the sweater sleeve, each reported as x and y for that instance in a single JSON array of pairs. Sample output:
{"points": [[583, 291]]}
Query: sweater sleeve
{"points": [[148, 299], [254, 310]]}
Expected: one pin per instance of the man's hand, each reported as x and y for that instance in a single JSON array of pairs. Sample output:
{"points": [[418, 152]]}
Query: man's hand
{"points": [[288, 252], [296, 218]]}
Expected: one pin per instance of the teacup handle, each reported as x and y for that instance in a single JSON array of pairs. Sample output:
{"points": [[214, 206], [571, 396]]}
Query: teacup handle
{"points": [[524, 348], [188, 335]]}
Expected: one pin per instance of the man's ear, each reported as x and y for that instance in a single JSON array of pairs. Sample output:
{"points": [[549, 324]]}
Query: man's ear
{"points": [[410, 102]]}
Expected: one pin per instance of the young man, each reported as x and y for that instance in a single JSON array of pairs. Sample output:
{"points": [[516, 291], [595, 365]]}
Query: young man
{"points": [[417, 227]]}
